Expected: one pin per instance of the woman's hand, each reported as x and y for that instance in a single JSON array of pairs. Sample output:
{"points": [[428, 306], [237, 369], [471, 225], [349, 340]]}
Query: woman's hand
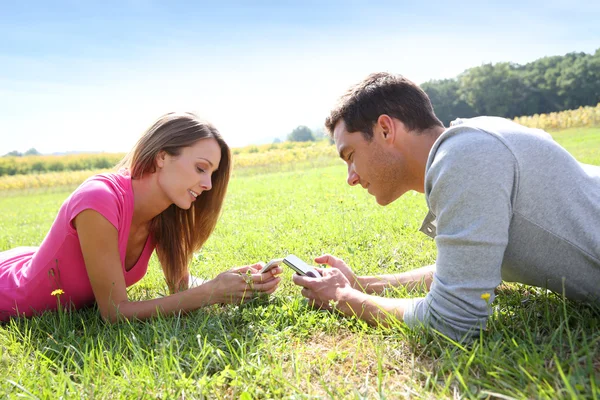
{"points": [[241, 284]]}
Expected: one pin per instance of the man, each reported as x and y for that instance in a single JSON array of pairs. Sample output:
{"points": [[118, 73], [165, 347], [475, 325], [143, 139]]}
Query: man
{"points": [[506, 203]]}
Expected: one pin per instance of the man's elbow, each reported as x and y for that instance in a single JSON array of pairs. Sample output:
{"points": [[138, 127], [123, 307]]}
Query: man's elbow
{"points": [[461, 331]]}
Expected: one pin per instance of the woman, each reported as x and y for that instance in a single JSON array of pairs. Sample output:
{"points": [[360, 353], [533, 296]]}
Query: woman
{"points": [[166, 197]]}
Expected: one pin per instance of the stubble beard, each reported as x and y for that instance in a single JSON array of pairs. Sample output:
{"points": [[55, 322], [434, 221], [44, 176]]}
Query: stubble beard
{"points": [[391, 177]]}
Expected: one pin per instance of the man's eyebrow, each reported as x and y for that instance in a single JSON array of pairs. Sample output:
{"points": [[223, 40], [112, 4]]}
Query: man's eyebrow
{"points": [[207, 160], [342, 152]]}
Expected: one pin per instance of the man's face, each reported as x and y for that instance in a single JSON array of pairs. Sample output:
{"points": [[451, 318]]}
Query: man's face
{"points": [[376, 165]]}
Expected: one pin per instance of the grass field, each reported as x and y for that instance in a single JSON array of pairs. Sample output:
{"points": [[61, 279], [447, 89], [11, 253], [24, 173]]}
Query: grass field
{"points": [[536, 346]]}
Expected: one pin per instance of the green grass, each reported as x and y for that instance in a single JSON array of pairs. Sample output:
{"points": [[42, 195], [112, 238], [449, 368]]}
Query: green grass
{"points": [[583, 143], [536, 346]]}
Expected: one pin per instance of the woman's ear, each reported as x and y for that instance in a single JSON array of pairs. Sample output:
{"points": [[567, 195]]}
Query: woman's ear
{"points": [[160, 159]]}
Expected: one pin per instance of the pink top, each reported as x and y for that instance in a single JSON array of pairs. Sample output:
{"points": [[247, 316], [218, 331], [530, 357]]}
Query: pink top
{"points": [[28, 275]]}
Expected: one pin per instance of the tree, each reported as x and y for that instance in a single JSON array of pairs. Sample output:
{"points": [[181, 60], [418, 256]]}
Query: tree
{"points": [[32, 152], [495, 89], [447, 104], [301, 134], [13, 153], [319, 133], [545, 85]]}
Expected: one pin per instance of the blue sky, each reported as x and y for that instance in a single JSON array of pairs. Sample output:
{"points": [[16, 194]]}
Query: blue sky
{"points": [[91, 76]]}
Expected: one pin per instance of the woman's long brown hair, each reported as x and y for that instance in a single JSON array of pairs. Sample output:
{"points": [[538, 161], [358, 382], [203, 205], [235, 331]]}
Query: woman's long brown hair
{"points": [[178, 233]]}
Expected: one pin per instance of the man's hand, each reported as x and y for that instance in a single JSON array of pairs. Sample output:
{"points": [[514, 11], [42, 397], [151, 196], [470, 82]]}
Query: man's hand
{"points": [[333, 287], [340, 265], [377, 284], [334, 290]]}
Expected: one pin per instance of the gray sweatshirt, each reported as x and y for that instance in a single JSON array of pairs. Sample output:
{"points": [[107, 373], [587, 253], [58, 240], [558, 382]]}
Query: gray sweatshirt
{"points": [[506, 203]]}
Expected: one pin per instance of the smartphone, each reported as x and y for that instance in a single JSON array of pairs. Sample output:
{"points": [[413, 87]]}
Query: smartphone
{"points": [[300, 266], [271, 264]]}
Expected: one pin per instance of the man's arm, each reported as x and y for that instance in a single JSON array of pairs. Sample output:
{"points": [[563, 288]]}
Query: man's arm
{"points": [[469, 187], [378, 283], [416, 278], [374, 310], [334, 291]]}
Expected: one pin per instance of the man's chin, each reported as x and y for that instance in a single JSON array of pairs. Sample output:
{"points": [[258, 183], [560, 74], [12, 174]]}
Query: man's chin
{"points": [[384, 201]]}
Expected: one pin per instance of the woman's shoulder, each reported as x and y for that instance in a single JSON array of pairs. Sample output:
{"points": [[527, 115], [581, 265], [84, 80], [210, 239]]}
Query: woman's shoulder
{"points": [[117, 183], [110, 194], [103, 188]]}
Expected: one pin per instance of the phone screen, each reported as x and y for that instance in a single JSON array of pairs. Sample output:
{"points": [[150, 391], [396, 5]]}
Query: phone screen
{"points": [[300, 266]]}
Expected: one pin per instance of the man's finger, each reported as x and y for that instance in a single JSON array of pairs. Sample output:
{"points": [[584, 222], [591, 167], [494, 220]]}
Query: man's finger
{"points": [[302, 280], [314, 303], [327, 259]]}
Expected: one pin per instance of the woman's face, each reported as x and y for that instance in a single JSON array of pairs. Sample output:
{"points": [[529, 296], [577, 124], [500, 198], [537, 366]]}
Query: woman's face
{"points": [[184, 177]]}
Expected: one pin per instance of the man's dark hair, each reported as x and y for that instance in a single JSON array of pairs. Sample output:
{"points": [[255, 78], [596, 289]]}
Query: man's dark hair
{"points": [[383, 93]]}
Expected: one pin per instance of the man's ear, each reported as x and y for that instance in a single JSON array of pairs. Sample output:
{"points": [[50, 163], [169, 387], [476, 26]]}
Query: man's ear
{"points": [[386, 127], [160, 159]]}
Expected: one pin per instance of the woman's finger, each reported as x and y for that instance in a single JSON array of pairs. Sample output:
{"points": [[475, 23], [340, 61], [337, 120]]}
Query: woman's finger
{"points": [[266, 286], [240, 270]]}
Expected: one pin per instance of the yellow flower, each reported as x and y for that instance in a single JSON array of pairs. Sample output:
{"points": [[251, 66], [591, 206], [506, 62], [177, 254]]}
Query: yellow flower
{"points": [[485, 296], [57, 292]]}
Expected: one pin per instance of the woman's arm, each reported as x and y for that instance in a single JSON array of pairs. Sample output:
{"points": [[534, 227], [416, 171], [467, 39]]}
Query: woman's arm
{"points": [[99, 244]]}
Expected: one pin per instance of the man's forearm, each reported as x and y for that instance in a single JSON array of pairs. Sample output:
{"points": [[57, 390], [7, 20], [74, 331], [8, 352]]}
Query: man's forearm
{"points": [[373, 309], [409, 279]]}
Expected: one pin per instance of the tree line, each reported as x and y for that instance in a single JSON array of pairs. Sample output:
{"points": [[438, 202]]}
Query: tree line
{"points": [[510, 90], [504, 89], [30, 152]]}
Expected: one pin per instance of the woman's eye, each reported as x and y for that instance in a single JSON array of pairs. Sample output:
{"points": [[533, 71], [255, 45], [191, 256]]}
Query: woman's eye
{"points": [[200, 170]]}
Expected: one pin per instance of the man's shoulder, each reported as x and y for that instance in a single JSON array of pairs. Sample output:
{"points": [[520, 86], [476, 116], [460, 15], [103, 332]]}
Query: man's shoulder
{"points": [[500, 127], [468, 154], [467, 139]]}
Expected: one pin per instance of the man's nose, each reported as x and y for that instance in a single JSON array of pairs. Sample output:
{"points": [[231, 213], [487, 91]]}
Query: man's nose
{"points": [[353, 178]]}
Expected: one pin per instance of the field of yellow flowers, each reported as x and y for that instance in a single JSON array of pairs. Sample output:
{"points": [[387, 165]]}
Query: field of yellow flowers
{"points": [[579, 118], [251, 159], [32, 172]]}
